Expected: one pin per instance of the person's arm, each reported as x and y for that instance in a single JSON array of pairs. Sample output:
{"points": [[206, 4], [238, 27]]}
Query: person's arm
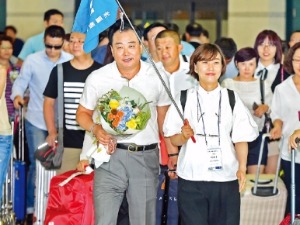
{"points": [[241, 149], [186, 133], [3, 75], [21, 83], [172, 149], [49, 115], [276, 132], [85, 120]]}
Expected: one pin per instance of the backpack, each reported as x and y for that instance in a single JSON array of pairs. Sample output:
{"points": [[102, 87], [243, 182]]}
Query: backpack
{"points": [[231, 96]]}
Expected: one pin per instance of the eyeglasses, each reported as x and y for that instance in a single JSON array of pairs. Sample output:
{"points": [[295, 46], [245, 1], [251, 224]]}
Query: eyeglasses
{"points": [[6, 47], [267, 44], [296, 61], [56, 47]]}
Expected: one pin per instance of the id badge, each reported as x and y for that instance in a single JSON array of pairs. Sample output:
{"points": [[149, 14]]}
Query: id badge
{"points": [[214, 158]]}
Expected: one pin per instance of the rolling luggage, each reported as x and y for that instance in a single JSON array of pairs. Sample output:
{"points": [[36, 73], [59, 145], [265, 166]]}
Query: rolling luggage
{"points": [[166, 201], [7, 214], [42, 186], [292, 218], [71, 199], [19, 173], [264, 200]]}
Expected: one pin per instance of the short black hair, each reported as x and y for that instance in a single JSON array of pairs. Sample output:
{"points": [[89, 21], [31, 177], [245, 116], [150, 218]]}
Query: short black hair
{"points": [[173, 26], [11, 27], [55, 31], [117, 26], [205, 33], [194, 29], [228, 46], [150, 27], [6, 38], [52, 12]]}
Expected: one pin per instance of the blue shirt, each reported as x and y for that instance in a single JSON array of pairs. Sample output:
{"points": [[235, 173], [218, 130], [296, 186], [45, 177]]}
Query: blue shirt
{"points": [[32, 45], [35, 74]]}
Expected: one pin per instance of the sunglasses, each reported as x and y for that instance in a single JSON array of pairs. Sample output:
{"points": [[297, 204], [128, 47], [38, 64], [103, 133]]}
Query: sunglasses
{"points": [[56, 47]]}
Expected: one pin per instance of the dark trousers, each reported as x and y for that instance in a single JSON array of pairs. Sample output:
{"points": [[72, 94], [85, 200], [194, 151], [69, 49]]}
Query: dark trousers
{"points": [[208, 203], [286, 166]]}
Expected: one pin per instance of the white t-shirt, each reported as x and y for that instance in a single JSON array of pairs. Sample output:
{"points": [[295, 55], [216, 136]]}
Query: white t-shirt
{"points": [[192, 161], [249, 92], [146, 81], [286, 107]]}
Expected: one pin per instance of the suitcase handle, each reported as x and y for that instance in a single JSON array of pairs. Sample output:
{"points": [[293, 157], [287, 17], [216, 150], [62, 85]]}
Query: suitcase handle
{"points": [[274, 192], [293, 187]]}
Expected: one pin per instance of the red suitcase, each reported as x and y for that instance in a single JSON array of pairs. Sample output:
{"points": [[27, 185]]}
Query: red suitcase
{"points": [[70, 200]]}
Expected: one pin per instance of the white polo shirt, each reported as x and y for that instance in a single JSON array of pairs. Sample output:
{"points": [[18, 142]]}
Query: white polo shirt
{"points": [[146, 81]]}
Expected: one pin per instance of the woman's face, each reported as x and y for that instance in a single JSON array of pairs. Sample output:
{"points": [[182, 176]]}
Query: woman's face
{"points": [[296, 62], [247, 68], [209, 71], [6, 50], [267, 50]]}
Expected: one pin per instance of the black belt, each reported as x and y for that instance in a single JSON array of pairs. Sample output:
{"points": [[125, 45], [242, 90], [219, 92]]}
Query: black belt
{"points": [[136, 148]]}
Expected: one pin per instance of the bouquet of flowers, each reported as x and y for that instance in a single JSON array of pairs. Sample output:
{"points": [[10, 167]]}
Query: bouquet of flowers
{"points": [[13, 73], [123, 113]]}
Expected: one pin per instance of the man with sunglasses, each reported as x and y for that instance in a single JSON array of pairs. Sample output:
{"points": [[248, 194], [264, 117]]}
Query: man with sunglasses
{"points": [[34, 75]]}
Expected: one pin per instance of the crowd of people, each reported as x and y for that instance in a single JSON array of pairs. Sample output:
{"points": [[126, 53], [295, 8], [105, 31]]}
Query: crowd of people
{"points": [[206, 142]]}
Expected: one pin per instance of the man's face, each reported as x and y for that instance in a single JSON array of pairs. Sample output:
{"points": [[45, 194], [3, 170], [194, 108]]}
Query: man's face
{"points": [[168, 51], [151, 38], [53, 46], [76, 44], [56, 19], [295, 38], [126, 50]]}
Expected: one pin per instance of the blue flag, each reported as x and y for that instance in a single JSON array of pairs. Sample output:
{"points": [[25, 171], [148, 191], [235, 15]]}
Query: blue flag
{"points": [[93, 17]]}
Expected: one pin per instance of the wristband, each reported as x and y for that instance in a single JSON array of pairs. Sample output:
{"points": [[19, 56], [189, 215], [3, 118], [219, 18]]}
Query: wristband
{"points": [[92, 129], [173, 154]]}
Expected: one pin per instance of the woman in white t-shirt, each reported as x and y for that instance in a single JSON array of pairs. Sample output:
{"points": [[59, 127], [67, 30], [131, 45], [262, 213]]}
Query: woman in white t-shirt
{"points": [[286, 117], [249, 90], [211, 171]]}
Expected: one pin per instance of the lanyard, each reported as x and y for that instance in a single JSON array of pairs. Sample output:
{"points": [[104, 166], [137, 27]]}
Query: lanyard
{"points": [[200, 115]]}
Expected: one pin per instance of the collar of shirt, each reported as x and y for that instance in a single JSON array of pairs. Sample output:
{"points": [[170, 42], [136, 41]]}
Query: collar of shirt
{"points": [[214, 92]]}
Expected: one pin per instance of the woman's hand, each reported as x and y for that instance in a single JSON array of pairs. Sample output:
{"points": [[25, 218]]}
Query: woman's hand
{"points": [[261, 110], [292, 139], [241, 176]]}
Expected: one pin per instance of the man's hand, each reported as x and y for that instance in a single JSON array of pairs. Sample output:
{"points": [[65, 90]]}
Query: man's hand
{"points": [[172, 165], [82, 164], [18, 101], [51, 139]]}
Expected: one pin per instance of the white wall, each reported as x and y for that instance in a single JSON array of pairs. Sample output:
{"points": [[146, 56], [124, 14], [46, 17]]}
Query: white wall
{"points": [[246, 18], [27, 15]]}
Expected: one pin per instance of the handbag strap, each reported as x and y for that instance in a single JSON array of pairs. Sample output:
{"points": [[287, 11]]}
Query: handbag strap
{"points": [[262, 91], [60, 107]]}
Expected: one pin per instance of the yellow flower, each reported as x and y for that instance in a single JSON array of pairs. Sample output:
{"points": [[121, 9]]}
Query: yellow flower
{"points": [[113, 104], [131, 124]]}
